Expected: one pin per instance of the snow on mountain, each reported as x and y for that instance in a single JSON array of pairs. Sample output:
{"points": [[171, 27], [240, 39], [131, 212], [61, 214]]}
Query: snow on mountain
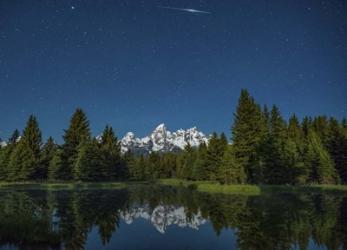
{"points": [[163, 216], [162, 140], [3, 144]]}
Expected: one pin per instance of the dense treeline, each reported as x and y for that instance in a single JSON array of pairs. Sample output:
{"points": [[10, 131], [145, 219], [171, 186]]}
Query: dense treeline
{"points": [[265, 149], [81, 157]]}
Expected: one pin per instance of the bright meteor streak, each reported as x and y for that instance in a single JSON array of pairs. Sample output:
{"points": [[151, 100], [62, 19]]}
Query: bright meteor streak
{"points": [[186, 10]]}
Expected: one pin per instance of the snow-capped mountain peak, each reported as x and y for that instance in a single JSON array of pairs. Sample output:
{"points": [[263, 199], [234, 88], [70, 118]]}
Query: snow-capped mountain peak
{"points": [[162, 140]]}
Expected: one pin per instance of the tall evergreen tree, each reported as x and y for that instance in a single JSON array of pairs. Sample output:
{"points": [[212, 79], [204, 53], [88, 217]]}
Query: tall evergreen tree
{"points": [[306, 125], [336, 143], [5, 154], [152, 166], [77, 133], [200, 168], [273, 154], [169, 165], [187, 162], [32, 137], [22, 163], [266, 117], [230, 171], [318, 159], [247, 133], [3, 164], [293, 163], [55, 166], [136, 167], [47, 154], [214, 155], [24, 160], [320, 125], [89, 162], [295, 132], [111, 154]]}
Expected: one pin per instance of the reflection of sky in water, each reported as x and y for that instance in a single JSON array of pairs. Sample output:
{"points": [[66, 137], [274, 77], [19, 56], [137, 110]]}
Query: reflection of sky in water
{"points": [[142, 235]]}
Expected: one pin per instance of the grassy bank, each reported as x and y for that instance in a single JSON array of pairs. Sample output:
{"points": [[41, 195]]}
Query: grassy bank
{"points": [[63, 185], [202, 186], [213, 187]]}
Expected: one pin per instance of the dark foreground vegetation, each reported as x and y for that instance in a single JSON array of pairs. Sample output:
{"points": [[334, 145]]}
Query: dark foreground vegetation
{"points": [[265, 149]]}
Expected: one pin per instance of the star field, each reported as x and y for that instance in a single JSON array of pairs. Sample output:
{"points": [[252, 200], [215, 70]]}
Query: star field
{"points": [[134, 65]]}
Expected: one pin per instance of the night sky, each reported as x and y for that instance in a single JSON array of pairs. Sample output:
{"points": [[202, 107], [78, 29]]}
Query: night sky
{"points": [[134, 64]]}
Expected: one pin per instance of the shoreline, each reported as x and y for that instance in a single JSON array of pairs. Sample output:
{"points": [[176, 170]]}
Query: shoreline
{"points": [[250, 189], [201, 186]]}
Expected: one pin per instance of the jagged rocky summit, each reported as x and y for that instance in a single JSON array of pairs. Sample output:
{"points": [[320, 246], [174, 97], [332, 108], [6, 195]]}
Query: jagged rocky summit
{"points": [[162, 140]]}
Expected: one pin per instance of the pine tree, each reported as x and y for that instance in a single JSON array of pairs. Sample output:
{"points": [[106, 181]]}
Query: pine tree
{"points": [[273, 153], [187, 162], [89, 162], [111, 154], [33, 138], [153, 166], [3, 168], [137, 167], [247, 132], [215, 151], [266, 117], [320, 126], [167, 165], [200, 169], [306, 125], [24, 160], [77, 133], [336, 143], [293, 162], [55, 166], [322, 166], [295, 132], [47, 154], [230, 171], [223, 141], [22, 163], [6, 154]]}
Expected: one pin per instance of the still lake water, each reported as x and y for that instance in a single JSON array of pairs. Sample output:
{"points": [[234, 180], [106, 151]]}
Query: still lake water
{"points": [[154, 217]]}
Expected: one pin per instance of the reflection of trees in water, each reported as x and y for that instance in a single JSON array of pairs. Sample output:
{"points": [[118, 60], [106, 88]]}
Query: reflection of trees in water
{"points": [[46, 220], [25, 220], [51, 219], [80, 211]]}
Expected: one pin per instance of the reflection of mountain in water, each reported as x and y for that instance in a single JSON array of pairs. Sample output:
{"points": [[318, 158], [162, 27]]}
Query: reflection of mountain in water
{"points": [[40, 219], [163, 216]]}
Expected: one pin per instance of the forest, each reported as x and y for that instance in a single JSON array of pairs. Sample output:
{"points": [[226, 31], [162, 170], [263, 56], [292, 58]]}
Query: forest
{"points": [[264, 148]]}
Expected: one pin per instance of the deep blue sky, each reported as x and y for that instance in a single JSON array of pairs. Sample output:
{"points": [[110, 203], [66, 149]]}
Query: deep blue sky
{"points": [[134, 65]]}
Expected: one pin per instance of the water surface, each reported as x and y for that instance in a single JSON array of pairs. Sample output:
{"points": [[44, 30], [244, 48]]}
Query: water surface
{"points": [[156, 217]]}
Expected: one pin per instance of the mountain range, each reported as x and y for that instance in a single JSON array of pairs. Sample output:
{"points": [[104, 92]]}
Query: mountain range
{"points": [[163, 140]]}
